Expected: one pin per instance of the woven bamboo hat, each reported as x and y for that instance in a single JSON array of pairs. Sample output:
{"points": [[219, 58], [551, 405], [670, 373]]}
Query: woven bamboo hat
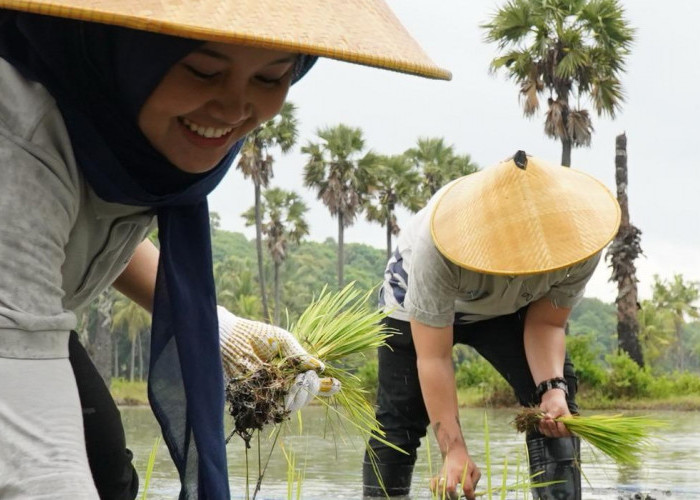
{"points": [[359, 31], [523, 216]]}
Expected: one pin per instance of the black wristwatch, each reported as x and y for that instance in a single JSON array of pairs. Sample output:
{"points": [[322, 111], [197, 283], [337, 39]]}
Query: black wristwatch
{"points": [[552, 383]]}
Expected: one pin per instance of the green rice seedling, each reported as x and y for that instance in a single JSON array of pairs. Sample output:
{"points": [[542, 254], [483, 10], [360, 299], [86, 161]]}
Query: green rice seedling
{"points": [[522, 483], [624, 439], [295, 475], [149, 468]]}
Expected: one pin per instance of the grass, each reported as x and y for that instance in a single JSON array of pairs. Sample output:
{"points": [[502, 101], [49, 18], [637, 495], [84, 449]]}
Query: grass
{"points": [[521, 484], [126, 393]]}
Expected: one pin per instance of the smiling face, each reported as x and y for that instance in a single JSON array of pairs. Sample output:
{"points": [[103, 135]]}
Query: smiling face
{"points": [[212, 98]]}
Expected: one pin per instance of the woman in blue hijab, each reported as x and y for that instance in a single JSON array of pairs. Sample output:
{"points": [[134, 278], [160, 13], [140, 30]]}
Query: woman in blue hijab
{"points": [[115, 118]]}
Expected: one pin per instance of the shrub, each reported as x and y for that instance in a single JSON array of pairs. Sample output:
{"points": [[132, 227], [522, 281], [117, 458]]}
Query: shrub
{"points": [[584, 352], [476, 372], [480, 374], [626, 379]]}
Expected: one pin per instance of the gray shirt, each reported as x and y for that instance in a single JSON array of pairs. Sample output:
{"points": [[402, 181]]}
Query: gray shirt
{"points": [[60, 245], [421, 284]]}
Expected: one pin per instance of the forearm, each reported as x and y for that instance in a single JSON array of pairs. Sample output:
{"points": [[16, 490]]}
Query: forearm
{"points": [[138, 280], [545, 348], [437, 381], [545, 340]]}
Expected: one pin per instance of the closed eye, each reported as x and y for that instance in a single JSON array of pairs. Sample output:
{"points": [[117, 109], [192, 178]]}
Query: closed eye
{"points": [[273, 80], [201, 74]]}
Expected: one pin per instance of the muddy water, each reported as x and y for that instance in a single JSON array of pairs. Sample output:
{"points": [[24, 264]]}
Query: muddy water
{"points": [[330, 460]]}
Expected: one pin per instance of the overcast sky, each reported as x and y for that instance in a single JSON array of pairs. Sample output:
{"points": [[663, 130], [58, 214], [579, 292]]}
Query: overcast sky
{"points": [[479, 114]]}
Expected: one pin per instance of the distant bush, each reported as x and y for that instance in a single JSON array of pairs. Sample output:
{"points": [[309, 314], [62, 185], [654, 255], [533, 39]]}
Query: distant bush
{"points": [[475, 372], [626, 379], [478, 373], [585, 352], [675, 384]]}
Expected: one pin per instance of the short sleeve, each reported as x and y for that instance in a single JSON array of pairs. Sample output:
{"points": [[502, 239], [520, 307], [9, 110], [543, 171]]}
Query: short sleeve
{"points": [[569, 291], [432, 286]]}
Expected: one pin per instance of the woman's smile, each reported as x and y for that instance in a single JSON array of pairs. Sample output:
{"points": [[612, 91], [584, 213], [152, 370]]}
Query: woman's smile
{"points": [[208, 132], [211, 99]]}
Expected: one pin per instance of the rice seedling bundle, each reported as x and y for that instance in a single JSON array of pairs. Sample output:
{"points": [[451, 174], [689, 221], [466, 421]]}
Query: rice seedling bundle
{"points": [[333, 327], [624, 439]]}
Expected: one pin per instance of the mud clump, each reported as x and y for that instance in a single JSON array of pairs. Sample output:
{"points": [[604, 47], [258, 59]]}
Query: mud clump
{"points": [[256, 400]]}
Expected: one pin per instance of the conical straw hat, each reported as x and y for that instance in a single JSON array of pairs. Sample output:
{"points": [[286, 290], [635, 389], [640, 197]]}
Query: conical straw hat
{"points": [[359, 31], [523, 216]]}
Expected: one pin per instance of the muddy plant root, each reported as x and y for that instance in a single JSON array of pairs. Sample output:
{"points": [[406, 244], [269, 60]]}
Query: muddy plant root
{"points": [[257, 400]]}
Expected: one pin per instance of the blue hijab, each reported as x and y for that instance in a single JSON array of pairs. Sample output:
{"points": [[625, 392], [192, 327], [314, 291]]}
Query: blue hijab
{"points": [[100, 76]]}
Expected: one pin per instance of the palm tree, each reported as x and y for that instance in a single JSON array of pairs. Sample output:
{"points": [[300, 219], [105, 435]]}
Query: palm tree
{"points": [[680, 299], [656, 331], [395, 183], [622, 253], [235, 288], [568, 50], [339, 171], [256, 162], [438, 164], [132, 317], [283, 223]]}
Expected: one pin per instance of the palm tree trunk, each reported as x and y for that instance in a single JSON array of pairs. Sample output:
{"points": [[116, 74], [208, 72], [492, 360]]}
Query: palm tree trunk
{"points": [[133, 358], [115, 348], [341, 245], [566, 152], [278, 294], [258, 246], [624, 249], [388, 239], [138, 338]]}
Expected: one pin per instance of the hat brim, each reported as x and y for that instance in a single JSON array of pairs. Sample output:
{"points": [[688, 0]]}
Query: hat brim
{"points": [[359, 31]]}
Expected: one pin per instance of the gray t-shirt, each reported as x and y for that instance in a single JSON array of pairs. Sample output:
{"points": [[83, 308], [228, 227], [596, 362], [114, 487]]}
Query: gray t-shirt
{"points": [[421, 284]]}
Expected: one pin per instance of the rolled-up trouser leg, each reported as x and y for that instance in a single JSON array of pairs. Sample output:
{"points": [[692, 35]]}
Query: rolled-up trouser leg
{"points": [[555, 459], [401, 415]]}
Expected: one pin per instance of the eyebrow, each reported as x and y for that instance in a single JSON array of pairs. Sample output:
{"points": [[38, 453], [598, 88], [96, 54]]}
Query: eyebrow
{"points": [[218, 55]]}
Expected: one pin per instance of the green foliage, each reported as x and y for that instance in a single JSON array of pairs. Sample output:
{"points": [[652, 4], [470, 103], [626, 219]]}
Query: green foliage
{"points": [[585, 353], [477, 372], [309, 267], [626, 380], [368, 374], [595, 317]]}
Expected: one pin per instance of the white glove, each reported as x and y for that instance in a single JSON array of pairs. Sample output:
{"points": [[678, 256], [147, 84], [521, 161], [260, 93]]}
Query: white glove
{"points": [[246, 346]]}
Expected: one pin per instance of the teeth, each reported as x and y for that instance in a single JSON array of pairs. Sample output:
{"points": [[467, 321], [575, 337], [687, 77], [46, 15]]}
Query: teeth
{"points": [[208, 132]]}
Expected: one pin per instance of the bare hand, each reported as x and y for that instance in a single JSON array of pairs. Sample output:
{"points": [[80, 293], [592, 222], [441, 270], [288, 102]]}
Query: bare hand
{"points": [[458, 469], [554, 405]]}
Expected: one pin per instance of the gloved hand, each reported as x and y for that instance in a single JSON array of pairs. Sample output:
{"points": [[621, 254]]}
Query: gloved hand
{"points": [[247, 345]]}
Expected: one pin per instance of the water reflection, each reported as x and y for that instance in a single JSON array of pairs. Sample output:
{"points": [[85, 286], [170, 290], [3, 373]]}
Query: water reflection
{"points": [[330, 459]]}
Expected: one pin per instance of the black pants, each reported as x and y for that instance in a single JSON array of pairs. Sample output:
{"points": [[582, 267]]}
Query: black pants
{"points": [[400, 408], [110, 460]]}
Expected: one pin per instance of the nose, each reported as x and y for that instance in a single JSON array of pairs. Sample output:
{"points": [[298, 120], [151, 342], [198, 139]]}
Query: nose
{"points": [[231, 103]]}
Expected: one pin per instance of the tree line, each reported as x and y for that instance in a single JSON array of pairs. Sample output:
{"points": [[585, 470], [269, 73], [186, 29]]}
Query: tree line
{"points": [[669, 321]]}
